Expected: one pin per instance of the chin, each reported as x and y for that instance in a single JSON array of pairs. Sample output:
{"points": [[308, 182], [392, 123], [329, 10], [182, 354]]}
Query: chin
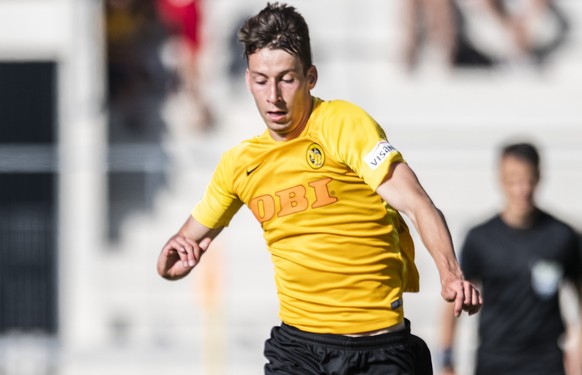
{"points": [[279, 128]]}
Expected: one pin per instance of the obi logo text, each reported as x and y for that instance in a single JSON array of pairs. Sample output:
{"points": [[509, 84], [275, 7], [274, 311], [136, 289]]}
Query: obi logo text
{"points": [[291, 200]]}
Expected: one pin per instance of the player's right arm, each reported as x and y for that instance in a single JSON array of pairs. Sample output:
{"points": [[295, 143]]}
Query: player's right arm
{"points": [[183, 250], [403, 192], [448, 330]]}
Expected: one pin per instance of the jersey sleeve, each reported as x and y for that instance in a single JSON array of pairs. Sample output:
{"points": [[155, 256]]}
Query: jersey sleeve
{"points": [[361, 143], [219, 203]]}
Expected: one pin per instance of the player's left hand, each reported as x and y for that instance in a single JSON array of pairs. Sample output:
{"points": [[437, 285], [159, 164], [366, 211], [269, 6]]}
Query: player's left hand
{"points": [[464, 295]]}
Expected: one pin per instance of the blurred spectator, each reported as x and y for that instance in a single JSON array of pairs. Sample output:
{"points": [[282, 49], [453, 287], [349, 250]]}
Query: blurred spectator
{"points": [[124, 22], [137, 81], [137, 88], [528, 31], [441, 25], [432, 20], [183, 19], [237, 64], [521, 257]]}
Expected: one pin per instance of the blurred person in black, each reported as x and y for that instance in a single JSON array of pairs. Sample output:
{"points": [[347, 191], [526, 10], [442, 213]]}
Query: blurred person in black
{"points": [[125, 21], [521, 257], [137, 82]]}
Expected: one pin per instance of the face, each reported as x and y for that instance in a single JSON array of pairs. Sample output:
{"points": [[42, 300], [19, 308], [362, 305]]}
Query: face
{"points": [[281, 90], [519, 180]]}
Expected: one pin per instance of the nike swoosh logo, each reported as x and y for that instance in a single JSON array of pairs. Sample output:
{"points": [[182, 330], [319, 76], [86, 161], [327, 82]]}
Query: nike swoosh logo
{"points": [[249, 171]]}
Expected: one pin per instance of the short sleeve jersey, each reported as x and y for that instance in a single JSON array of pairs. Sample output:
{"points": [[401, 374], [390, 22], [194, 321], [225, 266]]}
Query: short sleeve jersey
{"points": [[342, 256], [521, 271]]}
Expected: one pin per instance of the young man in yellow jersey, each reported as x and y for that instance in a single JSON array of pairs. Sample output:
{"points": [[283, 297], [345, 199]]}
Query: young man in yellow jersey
{"points": [[327, 188]]}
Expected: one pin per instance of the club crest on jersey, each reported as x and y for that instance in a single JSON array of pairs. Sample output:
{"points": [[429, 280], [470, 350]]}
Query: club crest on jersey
{"points": [[315, 156], [379, 154]]}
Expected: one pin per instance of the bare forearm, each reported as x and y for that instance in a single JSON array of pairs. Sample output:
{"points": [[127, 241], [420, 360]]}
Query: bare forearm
{"points": [[404, 193], [435, 235], [449, 325], [432, 228]]}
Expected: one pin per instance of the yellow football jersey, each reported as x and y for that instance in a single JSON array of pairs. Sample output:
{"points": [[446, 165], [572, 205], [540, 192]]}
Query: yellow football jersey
{"points": [[342, 256]]}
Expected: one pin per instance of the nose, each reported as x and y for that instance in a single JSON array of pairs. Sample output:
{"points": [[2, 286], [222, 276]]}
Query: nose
{"points": [[524, 190], [274, 94]]}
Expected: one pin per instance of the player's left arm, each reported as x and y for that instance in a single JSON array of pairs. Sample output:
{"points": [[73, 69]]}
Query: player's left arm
{"points": [[403, 192]]}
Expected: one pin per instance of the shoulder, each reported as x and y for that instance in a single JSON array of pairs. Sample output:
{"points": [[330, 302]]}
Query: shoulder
{"points": [[340, 118], [480, 235], [338, 107], [477, 242], [240, 156], [248, 146], [485, 227], [556, 225]]}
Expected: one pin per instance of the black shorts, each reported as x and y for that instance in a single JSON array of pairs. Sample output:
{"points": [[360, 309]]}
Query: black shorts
{"points": [[291, 351]]}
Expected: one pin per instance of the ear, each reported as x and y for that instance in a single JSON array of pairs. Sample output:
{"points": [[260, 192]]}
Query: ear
{"points": [[311, 77]]}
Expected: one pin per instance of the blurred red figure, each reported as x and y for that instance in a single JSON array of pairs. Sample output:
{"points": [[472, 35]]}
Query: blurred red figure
{"points": [[182, 17], [183, 20]]}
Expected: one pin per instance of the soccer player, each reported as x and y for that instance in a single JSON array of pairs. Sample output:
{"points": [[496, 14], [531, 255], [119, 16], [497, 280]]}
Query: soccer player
{"points": [[520, 257], [326, 187]]}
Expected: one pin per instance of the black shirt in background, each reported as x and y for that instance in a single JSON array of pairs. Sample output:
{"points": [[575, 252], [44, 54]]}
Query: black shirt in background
{"points": [[520, 272]]}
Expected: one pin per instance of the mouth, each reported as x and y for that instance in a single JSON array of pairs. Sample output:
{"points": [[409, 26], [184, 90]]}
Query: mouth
{"points": [[276, 115]]}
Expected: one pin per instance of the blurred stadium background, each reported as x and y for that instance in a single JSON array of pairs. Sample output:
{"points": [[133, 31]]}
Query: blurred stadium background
{"points": [[107, 141]]}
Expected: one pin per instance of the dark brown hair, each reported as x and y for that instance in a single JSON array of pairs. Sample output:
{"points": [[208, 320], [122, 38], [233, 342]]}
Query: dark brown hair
{"points": [[523, 151], [277, 26]]}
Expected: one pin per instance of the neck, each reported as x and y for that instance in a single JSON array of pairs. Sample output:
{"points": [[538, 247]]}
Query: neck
{"points": [[518, 218], [296, 132]]}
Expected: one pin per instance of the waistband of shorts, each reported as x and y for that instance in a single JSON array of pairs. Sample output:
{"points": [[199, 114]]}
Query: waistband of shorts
{"points": [[363, 342]]}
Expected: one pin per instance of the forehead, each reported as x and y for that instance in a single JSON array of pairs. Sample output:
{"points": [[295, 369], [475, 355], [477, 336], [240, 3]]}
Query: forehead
{"points": [[272, 61], [512, 166]]}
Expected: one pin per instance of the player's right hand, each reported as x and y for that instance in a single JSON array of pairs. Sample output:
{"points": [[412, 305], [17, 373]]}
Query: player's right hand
{"points": [[179, 256]]}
